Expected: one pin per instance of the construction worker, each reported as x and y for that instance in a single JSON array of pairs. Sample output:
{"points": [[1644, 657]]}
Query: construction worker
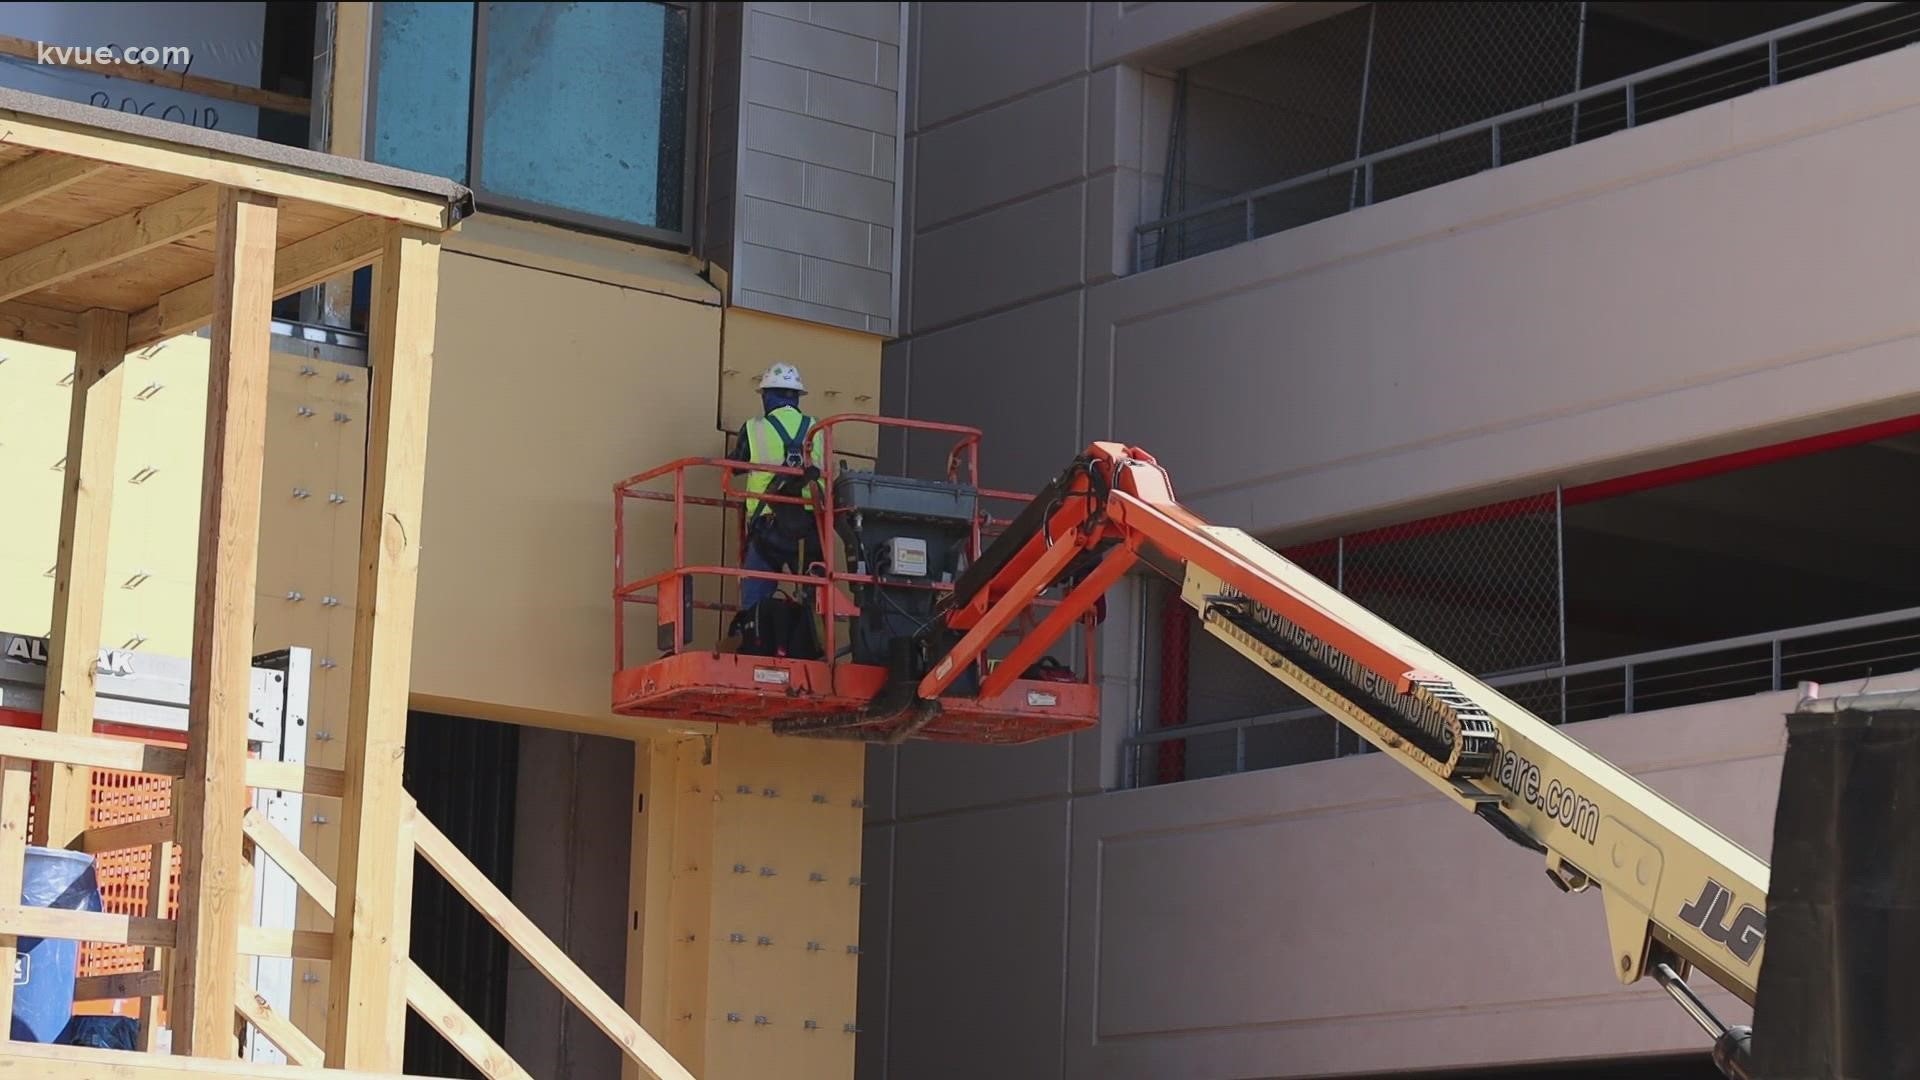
{"points": [[781, 537]]}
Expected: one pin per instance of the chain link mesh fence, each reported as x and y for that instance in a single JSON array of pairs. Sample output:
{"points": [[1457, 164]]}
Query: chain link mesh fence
{"points": [[1481, 587], [1270, 137]]}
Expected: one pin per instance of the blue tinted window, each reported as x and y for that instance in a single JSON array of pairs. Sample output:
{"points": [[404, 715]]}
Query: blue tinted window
{"points": [[423, 90], [585, 108]]}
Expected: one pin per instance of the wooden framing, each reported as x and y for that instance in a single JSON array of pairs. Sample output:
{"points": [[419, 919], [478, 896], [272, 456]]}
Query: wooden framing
{"points": [[367, 987], [80, 574], [15, 775], [117, 232], [212, 798]]}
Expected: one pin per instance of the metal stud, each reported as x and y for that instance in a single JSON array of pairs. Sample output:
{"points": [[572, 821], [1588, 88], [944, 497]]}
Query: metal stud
{"points": [[771, 793], [336, 498], [853, 950], [303, 411], [812, 1025], [295, 595], [819, 798], [329, 601], [343, 377], [737, 939], [744, 789], [341, 418], [766, 871], [327, 662], [761, 1021], [764, 940], [739, 868], [813, 946], [301, 493], [816, 877], [733, 1018], [856, 882], [849, 1029], [859, 804], [307, 372]]}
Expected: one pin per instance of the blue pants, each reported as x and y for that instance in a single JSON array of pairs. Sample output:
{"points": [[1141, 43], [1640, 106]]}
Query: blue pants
{"points": [[766, 551]]}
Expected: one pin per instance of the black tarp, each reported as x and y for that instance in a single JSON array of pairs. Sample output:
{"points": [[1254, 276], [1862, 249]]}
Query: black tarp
{"points": [[1839, 993]]}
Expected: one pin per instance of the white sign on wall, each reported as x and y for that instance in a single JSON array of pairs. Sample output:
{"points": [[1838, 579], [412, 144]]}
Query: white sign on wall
{"points": [[222, 41]]}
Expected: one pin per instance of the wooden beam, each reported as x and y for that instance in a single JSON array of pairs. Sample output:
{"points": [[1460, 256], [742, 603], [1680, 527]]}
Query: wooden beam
{"points": [[126, 984], [80, 568], [159, 887], [16, 776], [224, 167], [85, 926], [293, 776], [152, 76], [212, 798], [277, 941], [279, 1030], [440, 1012], [299, 265], [150, 832], [365, 987], [36, 325], [445, 1016], [49, 1061], [546, 957], [290, 858], [98, 751], [41, 175], [66, 257]]}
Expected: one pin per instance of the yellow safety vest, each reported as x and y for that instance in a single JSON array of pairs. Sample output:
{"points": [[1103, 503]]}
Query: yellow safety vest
{"points": [[768, 439]]}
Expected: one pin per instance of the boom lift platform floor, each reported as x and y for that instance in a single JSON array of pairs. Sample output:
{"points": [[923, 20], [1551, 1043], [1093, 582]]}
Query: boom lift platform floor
{"points": [[814, 698]]}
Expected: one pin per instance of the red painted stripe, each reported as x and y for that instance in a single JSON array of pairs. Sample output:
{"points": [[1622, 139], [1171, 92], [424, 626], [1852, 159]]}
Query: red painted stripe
{"points": [[1612, 488], [1743, 459]]}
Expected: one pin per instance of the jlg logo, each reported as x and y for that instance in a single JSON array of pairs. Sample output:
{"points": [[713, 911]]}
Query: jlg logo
{"points": [[1708, 913]]}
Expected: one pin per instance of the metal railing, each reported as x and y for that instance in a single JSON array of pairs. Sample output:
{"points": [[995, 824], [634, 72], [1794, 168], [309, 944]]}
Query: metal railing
{"points": [[1668, 89], [1666, 678]]}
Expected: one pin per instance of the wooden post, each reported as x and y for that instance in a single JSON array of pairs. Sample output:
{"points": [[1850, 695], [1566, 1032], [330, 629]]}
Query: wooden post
{"points": [[367, 984], [80, 570], [213, 795], [650, 884], [15, 775], [159, 885]]}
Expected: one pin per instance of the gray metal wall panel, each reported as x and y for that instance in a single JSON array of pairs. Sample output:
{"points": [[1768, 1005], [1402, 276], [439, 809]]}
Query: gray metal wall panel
{"points": [[935, 779], [1004, 375], [1010, 255], [818, 163], [978, 946], [881, 22], [571, 829], [966, 164], [980, 53]]}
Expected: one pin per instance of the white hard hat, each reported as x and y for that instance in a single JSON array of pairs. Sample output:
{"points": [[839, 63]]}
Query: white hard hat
{"points": [[782, 377]]}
